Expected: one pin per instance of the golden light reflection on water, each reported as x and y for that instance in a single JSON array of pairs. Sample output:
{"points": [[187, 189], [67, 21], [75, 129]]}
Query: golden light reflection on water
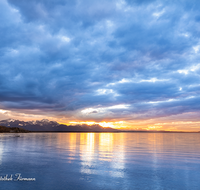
{"points": [[118, 156], [105, 145], [108, 153], [72, 146], [87, 152], [67, 142], [87, 147]]}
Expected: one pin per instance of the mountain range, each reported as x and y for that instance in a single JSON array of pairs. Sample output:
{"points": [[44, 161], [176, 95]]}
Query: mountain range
{"points": [[46, 125]]}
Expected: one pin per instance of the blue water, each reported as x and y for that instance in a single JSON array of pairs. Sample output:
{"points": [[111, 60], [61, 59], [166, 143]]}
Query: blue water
{"points": [[90, 161]]}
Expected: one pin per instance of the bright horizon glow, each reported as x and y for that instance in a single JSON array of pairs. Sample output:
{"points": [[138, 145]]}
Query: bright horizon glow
{"points": [[117, 124]]}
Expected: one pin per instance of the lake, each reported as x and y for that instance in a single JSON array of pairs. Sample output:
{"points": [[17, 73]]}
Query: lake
{"points": [[87, 161]]}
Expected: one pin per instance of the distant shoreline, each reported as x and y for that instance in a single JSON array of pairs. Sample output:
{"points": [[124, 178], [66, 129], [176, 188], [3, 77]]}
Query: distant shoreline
{"points": [[111, 132], [46, 126], [4, 129]]}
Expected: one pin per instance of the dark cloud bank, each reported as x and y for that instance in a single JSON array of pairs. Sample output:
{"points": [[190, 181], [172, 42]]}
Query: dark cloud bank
{"points": [[62, 57]]}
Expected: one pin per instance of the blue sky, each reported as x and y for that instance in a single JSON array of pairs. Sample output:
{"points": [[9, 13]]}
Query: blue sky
{"points": [[136, 62]]}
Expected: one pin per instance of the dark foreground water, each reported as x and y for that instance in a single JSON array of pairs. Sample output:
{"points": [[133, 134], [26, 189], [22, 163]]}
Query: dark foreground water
{"points": [[101, 161]]}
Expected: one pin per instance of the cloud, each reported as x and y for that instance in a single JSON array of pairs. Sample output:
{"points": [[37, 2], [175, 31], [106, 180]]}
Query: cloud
{"points": [[63, 57]]}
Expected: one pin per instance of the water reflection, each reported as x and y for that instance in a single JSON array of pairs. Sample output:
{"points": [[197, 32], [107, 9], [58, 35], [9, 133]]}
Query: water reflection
{"points": [[106, 146], [72, 146], [104, 160], [87, 152], [101, 151], [117, 163]]}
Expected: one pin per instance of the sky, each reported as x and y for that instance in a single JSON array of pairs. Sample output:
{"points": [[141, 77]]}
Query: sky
{"points": [[131, 64]]}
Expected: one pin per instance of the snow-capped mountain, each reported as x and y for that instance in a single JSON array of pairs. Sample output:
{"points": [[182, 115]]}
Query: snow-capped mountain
{"points": [[46, 125]]}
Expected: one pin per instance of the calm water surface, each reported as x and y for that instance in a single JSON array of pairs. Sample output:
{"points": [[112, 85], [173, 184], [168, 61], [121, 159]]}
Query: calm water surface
{"points": [[101, 161]]}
